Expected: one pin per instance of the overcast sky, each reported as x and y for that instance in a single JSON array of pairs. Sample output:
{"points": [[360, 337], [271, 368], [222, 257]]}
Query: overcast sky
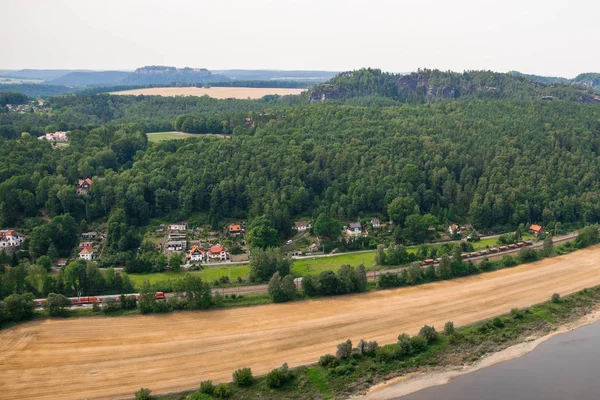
{"points": [[548, 37]]}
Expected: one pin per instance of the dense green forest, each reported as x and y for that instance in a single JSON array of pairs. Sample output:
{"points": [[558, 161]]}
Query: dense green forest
{"points": [[429, 86], [493, 162]]}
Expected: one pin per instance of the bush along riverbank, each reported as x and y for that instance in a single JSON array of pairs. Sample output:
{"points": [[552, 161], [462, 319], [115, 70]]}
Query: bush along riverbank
{"points": [[353, 368]]}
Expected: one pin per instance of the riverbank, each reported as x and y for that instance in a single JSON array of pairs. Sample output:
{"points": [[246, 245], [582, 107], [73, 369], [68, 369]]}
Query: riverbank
{"points": [[411, 383], [175, 352]]}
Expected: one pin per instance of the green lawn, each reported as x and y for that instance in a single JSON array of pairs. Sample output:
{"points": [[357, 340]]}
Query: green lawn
{"points": [[208, 274], [159, 136], [314, 266]]}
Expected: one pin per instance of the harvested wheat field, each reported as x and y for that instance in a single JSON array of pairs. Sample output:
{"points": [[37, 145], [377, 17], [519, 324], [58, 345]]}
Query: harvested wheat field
{"points": [[97, 358], [215, 92]]}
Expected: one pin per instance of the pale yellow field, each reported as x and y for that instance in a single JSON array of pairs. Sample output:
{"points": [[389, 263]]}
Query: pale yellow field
{"points": [[111, 357], [215, 92]]}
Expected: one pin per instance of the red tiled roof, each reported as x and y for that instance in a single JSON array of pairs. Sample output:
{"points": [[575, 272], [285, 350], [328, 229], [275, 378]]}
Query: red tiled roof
{"points": [[196, 248], [86, 250], [235, 228], [217, 249], [535, 228]]}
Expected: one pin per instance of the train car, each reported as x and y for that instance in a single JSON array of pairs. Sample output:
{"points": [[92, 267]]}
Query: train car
{"points": [[98, 299], [528, 243], [512, 246], [494, 250], [464, 255], [503, 248], [428, 262], [520, 244]]}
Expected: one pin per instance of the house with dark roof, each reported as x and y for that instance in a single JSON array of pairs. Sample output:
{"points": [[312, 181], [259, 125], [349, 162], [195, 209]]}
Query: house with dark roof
{"points": [[302, 226], [354, 229]]}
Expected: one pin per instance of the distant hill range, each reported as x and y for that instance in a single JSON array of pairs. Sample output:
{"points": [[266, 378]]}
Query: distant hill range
{"points": [[157, 75], [590, 79], [365, 86]]}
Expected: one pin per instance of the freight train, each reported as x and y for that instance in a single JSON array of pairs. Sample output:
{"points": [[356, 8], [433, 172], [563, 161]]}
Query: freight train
{"points": [[485, 252], [98, 299]]}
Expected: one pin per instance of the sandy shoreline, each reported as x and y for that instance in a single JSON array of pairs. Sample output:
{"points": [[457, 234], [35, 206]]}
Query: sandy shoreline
{"points": [[410, 383]]}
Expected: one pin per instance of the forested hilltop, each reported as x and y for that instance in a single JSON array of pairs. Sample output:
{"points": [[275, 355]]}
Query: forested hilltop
{"points": [[428, 86], [495, 163]]}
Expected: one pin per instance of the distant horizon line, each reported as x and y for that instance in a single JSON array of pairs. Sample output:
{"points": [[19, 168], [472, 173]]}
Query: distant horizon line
{"points": [[283, 70]]}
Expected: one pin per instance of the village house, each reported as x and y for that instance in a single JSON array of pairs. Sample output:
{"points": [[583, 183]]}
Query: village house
{"points": [[537, 230], [466, 227], [61, 262], [87, 253], [196, 254], [217, 253], [376, 223], [89, 235], [178, 227], [302, 226], [176, 245], [83, 186], [86, 244], [354, 229], [313, 247], [452, 229], [235, 230], [10, 238], [55, 137]]}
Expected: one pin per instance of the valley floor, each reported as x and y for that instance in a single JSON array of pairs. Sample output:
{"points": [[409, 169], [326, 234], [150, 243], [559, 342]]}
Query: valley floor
{"points": [[105, 357]]}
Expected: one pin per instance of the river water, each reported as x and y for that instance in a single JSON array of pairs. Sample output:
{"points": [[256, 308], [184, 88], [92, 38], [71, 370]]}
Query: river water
{"points": [[564, 367]]}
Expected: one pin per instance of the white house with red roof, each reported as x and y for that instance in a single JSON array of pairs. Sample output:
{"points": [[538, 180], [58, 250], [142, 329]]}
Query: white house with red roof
{"points": [[196, 254], [87, 253], [10, 238], [217, 253]]}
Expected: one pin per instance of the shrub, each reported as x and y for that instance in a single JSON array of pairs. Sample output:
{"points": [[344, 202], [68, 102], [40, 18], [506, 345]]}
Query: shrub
{"points": [[96, 307], [449, 328], [429, 333], [498, 322], [527, 254], [243, 377], [343, 370], [111, 305], [56, 304], [366, 348], [161, 307], [207, 387], [555, 298], [418, 343], [310, 285], [344, 350], [143, 394], [198, 396], [128, 302], [222, 391], [274, 379], [404, 345], [19, 306], [328, 361], [386, 353], [517, 314], [508, 261]]}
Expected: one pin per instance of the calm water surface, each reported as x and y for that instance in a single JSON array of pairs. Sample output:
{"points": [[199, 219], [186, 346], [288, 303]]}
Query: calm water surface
{"points": [[563, 368]]}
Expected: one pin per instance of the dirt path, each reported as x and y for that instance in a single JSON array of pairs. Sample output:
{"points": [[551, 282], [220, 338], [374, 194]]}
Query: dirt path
{"points": [[96, 358]]}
